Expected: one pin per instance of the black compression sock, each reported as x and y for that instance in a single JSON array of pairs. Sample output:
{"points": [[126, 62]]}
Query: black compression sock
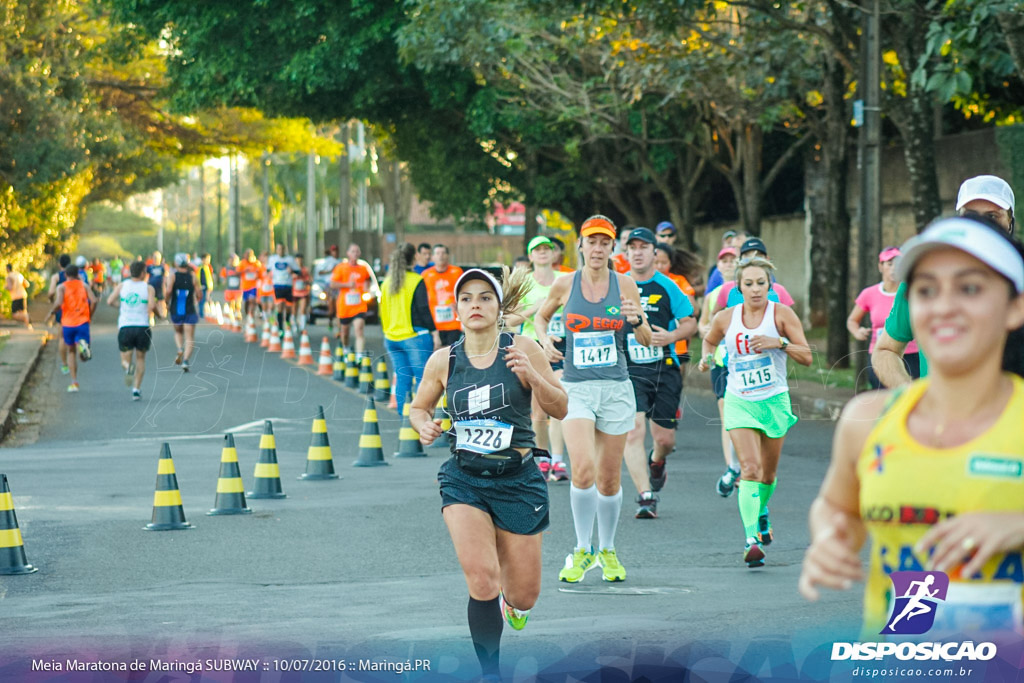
{"points": [[485, 625]]}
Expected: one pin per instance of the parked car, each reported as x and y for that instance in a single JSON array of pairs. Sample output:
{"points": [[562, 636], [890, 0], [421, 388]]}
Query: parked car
{"points": [[320, 298]]}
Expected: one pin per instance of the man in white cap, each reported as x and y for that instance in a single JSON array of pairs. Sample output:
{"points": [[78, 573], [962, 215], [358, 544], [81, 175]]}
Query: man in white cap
{"points": [[987, 196]]}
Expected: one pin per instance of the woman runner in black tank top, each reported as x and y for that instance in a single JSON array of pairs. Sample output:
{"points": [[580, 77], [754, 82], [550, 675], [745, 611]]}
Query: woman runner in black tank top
{"points": [[494, 498]]}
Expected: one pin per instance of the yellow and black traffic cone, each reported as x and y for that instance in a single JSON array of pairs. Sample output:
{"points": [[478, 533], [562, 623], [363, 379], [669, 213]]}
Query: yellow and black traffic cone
{"points": [[371, 453], [409, 445], [168, 514], [12, 550], [267, 477], [351, 371], [381, 384], [230, 498], [365, 375], [441, 413], [339, 364], [319, 463]]}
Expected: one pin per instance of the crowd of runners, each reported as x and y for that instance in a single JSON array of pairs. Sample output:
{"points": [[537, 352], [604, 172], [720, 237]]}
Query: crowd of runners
{"points": [[554, 374]]}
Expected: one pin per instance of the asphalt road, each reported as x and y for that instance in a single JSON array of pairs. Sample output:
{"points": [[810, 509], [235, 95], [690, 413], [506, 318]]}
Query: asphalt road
{"points": [[362, 566]]}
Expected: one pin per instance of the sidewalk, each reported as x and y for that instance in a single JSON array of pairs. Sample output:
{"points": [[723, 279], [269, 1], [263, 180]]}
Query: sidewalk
{"points": [[19, 351]]}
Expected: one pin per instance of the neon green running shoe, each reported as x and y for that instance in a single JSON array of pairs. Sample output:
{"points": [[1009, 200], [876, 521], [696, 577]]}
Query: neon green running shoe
{"points": [[577, 565], [611, 568], [516, 618]]}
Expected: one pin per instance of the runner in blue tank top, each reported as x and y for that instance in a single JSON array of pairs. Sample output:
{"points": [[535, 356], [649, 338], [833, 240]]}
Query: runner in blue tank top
{"points": [[493, 498], [598, 303]]}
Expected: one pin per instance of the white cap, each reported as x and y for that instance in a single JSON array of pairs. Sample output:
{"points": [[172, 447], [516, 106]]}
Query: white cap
{"points": [[479, 274], [181, 259], [989, 187], [81, 261], [970, 237]]}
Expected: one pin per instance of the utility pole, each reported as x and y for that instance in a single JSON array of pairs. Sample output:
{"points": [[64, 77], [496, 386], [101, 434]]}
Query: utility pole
{"points": [[268, 236], [234, 229], [344, 191], [311, 206], [202, 209], [220, 194], [163, 221], [869, 151]]}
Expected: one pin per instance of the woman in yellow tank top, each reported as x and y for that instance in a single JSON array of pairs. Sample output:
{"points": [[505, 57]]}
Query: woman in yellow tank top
{"points": [[935, 474]]}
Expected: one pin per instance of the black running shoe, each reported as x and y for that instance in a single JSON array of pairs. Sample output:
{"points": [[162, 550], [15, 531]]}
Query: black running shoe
{"points": [[656, 472], [648, 503]]}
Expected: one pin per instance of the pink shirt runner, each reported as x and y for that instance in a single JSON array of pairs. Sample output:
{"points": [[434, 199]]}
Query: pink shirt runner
{"points": [[878, 303]]}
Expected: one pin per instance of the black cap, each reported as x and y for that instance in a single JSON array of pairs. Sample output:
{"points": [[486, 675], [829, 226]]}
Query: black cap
{"points": [[641, 234], [753, 244]]}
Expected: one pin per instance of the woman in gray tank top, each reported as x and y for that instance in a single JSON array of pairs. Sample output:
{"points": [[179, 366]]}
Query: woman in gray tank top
{"points": [[602, 406], [493, 497]]}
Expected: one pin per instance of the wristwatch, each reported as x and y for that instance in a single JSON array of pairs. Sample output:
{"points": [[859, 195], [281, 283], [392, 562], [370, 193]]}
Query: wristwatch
{"points": [[783, 343]]}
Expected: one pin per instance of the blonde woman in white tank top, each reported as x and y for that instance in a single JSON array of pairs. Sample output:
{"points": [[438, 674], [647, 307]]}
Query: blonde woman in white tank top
{"points": [[759, 336]]}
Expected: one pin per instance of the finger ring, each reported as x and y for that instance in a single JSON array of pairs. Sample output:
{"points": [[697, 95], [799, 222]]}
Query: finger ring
{"points": [[969, 544]]}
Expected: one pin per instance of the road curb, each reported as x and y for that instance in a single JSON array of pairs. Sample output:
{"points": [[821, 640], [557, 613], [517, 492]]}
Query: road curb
{"points": [[7, 411]]}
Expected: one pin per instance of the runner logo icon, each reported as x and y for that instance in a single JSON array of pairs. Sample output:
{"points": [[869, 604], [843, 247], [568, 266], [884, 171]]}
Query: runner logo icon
{"points": [[916, 597]]}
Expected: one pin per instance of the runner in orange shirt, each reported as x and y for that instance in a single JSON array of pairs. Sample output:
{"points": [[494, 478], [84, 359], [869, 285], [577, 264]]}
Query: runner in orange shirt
{"points": [[232, 277], [621, 261], [558, 256], [76, 303], [354, 279], [251, 271], [663, 257], [440, 280]]}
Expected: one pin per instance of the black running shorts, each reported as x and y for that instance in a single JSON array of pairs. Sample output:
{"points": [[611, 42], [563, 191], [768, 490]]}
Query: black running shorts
{"points": [[517, 503], [719, 375], [657, 388], [134, 338]]}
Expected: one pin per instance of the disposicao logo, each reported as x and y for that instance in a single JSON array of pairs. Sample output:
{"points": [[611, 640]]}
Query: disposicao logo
{"points": [[917, 595], [916, 598]]}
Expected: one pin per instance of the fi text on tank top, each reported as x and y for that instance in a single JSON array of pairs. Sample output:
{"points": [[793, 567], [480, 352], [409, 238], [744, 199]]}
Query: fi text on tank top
{"points": [[753, 375]]}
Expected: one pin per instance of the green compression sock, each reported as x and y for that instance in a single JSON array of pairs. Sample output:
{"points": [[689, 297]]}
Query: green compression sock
{"points": [[749, 500], [765, 491]]}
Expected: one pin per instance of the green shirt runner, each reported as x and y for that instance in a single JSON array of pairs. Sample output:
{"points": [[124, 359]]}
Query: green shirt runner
{"points": [[897, 325]]}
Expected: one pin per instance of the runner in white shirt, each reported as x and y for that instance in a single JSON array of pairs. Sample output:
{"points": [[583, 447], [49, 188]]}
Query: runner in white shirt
{"points": [[136, 300], [282, 269]]}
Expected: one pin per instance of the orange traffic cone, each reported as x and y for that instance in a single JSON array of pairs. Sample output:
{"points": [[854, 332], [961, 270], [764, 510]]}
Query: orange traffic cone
{"points": [[288, 348], [275, 339], [230, 498], [325, 366], [220, 315], [265, 335], [235, 320], [12, 550], [393, 400], [168, 514], [250, 330], [305, 352]]}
